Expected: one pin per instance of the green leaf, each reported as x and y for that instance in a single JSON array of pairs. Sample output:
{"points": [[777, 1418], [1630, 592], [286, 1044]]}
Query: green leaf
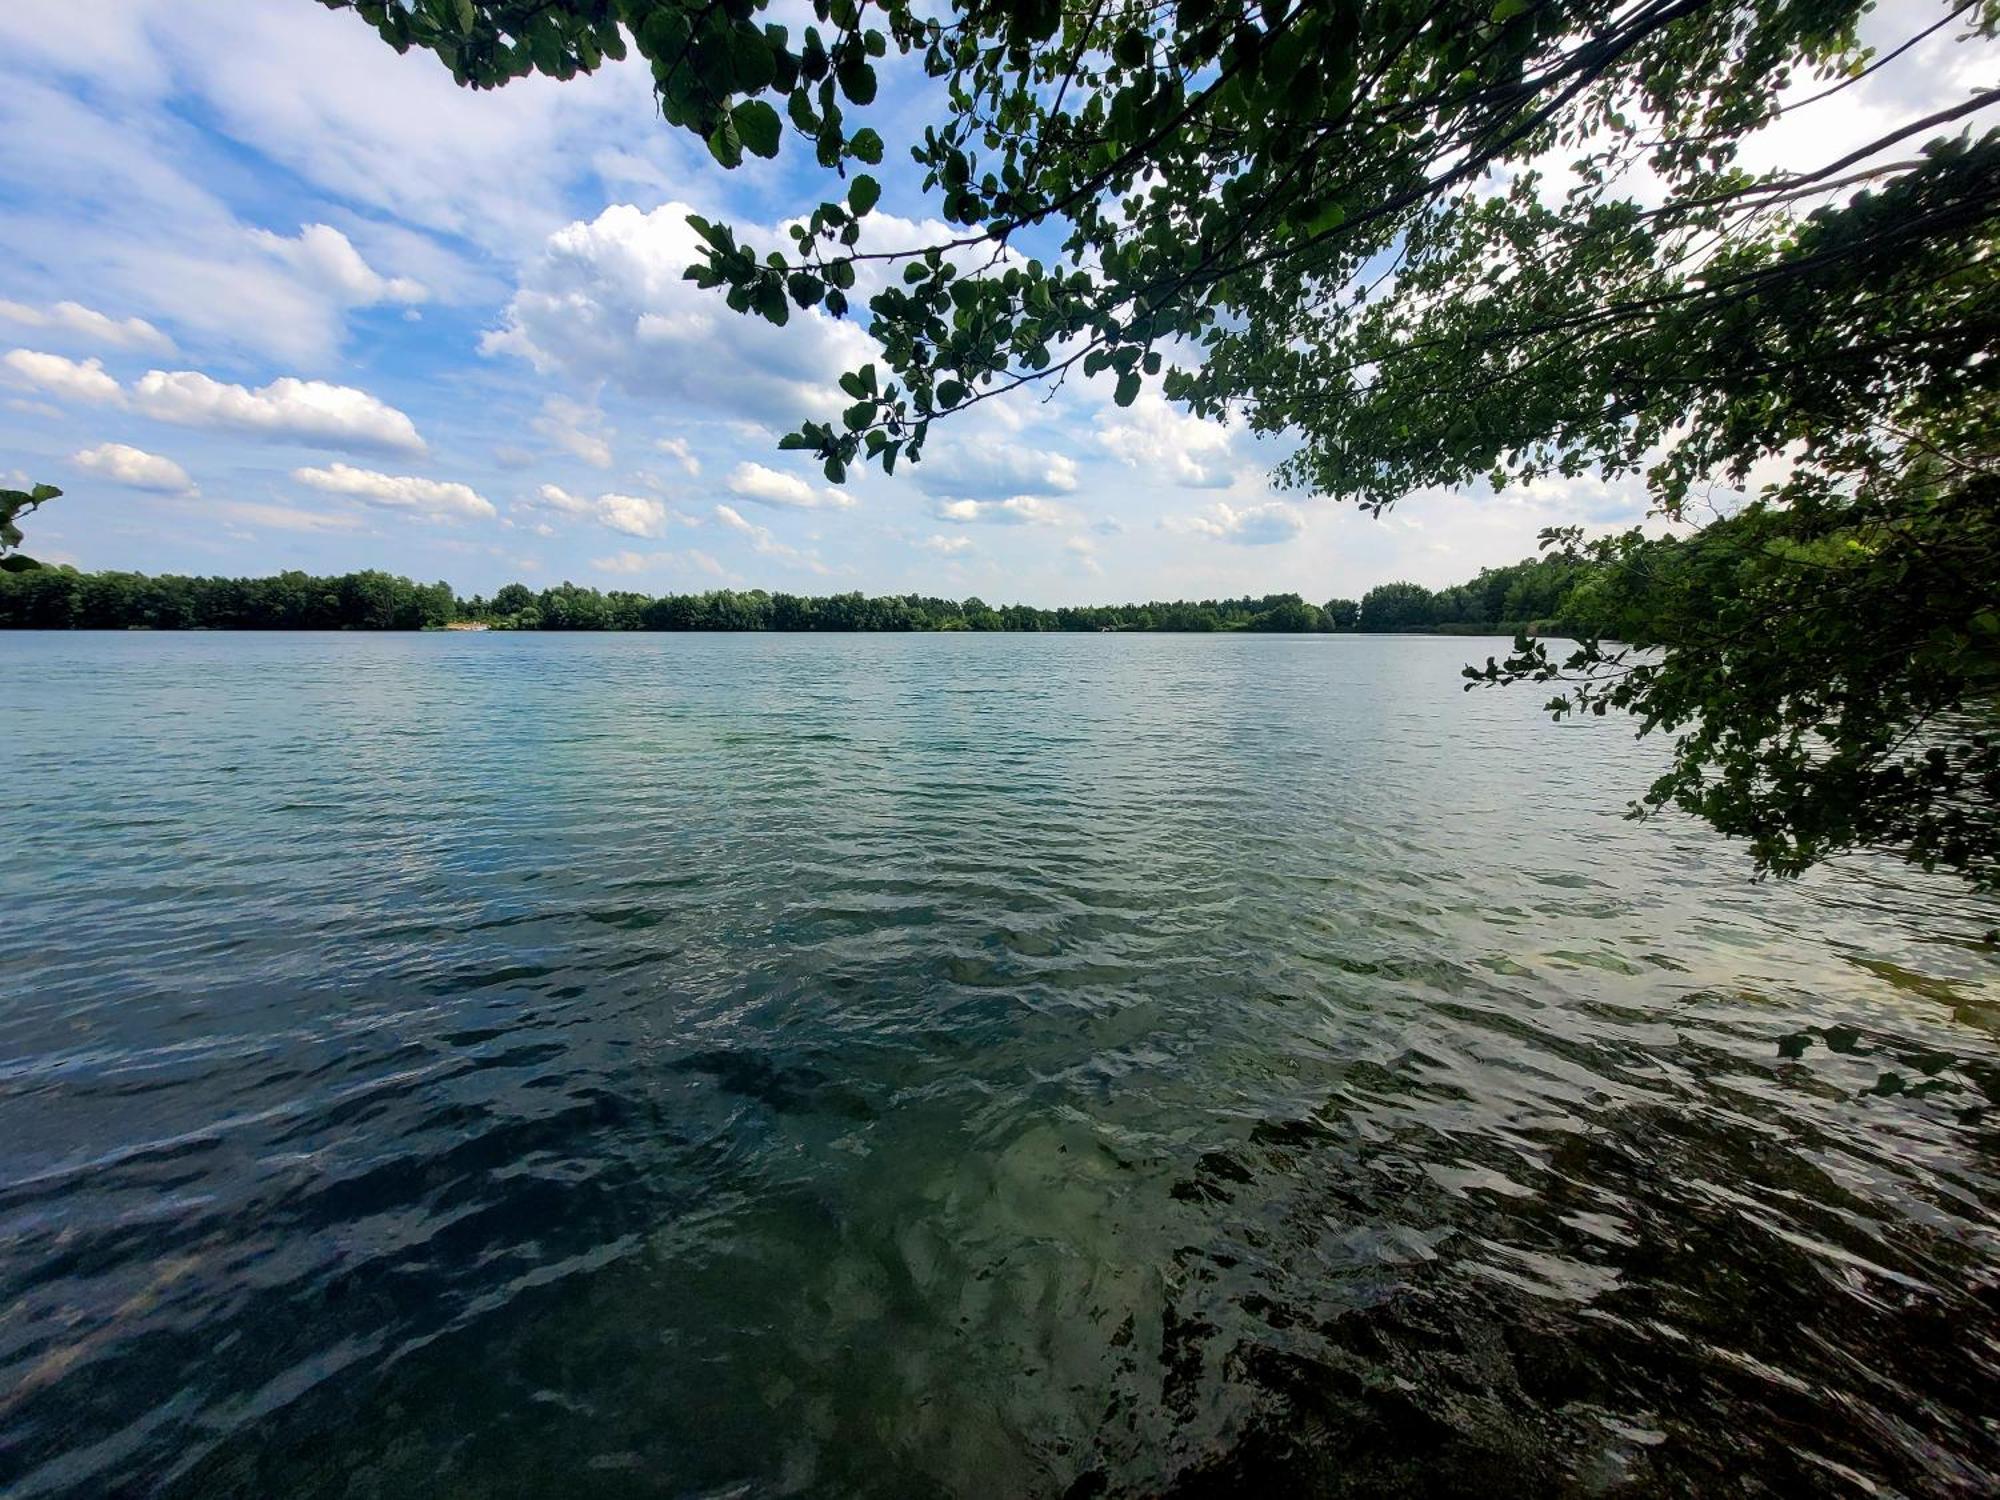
{"points": [[1128, 388], [771, 303], [950, 393], [857, 81], [1324, 220], [758, 127], [863, 193], [724, 144], [751, 64], [866, 146]]}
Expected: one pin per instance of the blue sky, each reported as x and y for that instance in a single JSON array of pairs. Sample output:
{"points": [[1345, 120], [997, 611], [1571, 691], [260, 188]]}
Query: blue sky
{"points": [[272, 296]]}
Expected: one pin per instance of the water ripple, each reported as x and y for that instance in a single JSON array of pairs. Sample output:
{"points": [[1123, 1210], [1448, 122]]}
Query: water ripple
{"points": [[952, 1066]]}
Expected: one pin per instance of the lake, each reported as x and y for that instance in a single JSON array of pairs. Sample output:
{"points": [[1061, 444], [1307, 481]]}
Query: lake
{"points": [[460, 1065]]}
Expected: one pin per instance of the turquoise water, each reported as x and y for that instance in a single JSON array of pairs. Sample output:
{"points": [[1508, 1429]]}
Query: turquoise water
{"points": [[951, 1065]]}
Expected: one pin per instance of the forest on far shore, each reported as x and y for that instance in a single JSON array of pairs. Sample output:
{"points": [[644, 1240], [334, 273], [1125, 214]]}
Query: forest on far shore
{"points": [[1529, 594]]}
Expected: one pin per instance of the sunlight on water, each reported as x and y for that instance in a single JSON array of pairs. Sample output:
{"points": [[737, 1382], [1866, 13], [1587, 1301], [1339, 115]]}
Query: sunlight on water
{"points": [[951, 1066]]}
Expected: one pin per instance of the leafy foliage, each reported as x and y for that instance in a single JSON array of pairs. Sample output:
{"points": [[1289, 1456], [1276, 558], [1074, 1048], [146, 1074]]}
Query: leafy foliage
{"points": [[63, 599], [1827, 660], [13, 505], [1301, 198]]}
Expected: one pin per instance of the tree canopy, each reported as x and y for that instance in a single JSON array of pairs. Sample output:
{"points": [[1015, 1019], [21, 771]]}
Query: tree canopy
{"points": [[1340, 219], [1434, 242], [14, 504]]}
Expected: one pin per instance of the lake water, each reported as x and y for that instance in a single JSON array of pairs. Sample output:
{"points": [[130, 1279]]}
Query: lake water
{"points": [[952, 1065]]}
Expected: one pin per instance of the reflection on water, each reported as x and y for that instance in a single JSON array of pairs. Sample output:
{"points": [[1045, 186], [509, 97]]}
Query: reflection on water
{"points": [[951, 1066]]}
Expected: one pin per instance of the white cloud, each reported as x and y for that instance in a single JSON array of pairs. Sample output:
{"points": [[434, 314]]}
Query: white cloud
{"points": [[949, 546], [281, 517], [113, 180], [350, 121], [1153, 437], [635, 515], [576, 429], [301, 411], [77, 380], [1589, 497], [770, 487], [764, 543], [135, 467], [631, 562], [89, 324], [435, 499], [556, 498], [1250, 526], [990, 469], [678, 449], [1017, 510], [325, 257], [1085, 552], [607, 300], [628, 562]]}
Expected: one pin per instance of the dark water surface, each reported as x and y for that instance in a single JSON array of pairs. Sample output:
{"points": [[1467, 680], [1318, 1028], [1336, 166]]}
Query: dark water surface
{"points": [[959, 1066]]}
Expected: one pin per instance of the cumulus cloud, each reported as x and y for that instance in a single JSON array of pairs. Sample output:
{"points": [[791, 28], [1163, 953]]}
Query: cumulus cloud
{"points": [[988, 469], [949, 546], [634, 515], [770, 487], [1154, 438], [136, 468], [606, 300], [556, 498], [1589, 496], [74, 380], [432, 498], [678, 450], [1250, 526], [764, 543], [1016, 510], [290, 410], [327, 258], [576, 429], [89, 324]]}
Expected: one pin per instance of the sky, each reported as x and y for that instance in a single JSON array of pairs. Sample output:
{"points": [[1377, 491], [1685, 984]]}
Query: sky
{"points": [[272, 296]]}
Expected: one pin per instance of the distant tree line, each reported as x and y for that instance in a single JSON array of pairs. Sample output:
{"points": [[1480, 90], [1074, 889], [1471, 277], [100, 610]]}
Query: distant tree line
{"points": [[50, 598]]}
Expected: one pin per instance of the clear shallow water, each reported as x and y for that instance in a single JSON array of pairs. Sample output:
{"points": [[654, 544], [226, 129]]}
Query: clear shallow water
{"points": [[465, 1065]]}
